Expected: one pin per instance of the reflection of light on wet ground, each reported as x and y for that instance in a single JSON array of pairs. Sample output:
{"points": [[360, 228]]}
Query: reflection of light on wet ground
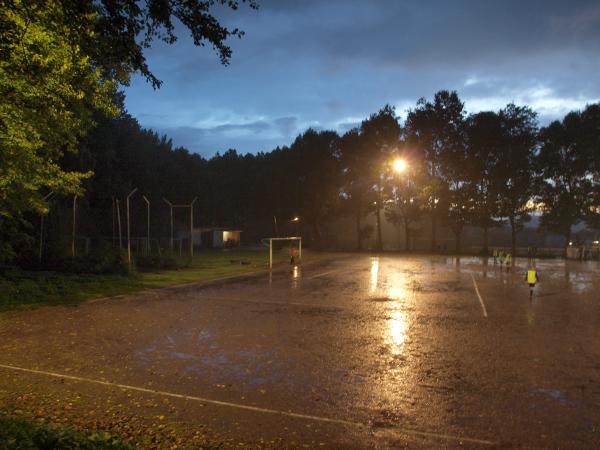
{"points": [[397, 331], [295, 276], [578, 282], [396, 289], [374, 274]]}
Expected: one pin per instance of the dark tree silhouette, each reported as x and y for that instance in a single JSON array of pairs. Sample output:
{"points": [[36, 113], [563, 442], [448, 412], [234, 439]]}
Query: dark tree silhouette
{"points": [[564, 169], [516, 170], [485, 139], [436, 130]]}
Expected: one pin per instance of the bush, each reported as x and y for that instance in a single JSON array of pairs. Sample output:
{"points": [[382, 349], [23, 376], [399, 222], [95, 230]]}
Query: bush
{"points": [[20, 434], [102, 260], [158, 262]]}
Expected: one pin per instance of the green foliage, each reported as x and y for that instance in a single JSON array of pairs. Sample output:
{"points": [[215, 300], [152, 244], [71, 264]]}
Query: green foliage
{"points": [[48, 88], [159, 262], [21, 434], [60, 63], [21, 288], [102, 260]]}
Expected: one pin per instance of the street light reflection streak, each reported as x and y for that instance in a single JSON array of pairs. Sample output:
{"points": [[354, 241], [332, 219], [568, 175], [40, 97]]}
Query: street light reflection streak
{"points": [[374, 274], [397, 323]]}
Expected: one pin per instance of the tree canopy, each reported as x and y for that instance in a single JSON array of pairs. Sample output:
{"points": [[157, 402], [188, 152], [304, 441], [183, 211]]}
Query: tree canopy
{"points": [[61, 63]]}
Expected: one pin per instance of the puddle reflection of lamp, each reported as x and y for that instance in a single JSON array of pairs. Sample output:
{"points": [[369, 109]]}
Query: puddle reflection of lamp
{"points": [[374, 274]]}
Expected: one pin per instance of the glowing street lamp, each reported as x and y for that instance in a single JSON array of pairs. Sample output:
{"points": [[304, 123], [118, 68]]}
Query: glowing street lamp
{"points": [[399, 165]]}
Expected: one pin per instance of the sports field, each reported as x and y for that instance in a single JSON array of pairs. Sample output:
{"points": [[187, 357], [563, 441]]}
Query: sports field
{"points": [[357, 352]]}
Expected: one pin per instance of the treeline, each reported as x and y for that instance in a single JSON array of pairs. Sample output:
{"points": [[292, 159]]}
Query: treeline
{"points": [[63, 134], [484, 169]]}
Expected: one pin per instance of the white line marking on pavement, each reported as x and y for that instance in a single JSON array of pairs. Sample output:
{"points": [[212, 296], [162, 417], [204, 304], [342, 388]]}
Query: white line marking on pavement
{"points": [[479, 296], [245, 407], [271, 302], [324, 273]]}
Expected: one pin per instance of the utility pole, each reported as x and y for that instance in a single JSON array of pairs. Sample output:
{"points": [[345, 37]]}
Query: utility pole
{"points": [[191, 207], [148, 221], [128, 228], [119, 224]]}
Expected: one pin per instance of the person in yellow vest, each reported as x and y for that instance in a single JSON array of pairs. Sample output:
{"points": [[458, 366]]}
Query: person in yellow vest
{"points": [[508, 261], [501, 258], [532, 278]]}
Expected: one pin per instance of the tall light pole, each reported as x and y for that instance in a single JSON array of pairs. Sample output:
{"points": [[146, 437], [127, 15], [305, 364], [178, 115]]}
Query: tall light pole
{"points": [[171, 211], [148, 222], [128, 228], [296, 220], [399, 166]]}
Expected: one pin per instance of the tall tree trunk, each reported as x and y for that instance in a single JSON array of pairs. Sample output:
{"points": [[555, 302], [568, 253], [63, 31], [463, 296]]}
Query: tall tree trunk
{"points": [[378, 219], [433, 232], [358, 233], [485, 240], [513, 237]]}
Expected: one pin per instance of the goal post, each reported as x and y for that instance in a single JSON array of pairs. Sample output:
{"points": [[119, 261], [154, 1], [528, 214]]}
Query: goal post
{"points": [[271, 242]]}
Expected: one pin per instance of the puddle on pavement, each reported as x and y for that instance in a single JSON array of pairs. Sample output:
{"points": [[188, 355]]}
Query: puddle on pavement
{"points": [[555, 394]]}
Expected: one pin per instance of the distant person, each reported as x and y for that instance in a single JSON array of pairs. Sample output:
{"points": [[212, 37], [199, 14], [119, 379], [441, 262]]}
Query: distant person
{"points": [[501, 259], [495, 255], [532, 278], [293, 253], [508, 261]]}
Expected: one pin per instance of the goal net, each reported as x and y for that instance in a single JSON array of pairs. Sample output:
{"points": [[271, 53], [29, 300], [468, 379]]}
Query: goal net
{"points": [[282, 249]]}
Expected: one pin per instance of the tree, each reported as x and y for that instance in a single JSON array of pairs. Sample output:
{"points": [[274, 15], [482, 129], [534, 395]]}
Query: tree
{"points": [[516, 175], [357, 195], [60, 63], [123, 29], [404, 205], [48, 90], [365, 151], [589, 138], [315, 174], [380, 137], [436, 130], [564, 170], [485, 139]]}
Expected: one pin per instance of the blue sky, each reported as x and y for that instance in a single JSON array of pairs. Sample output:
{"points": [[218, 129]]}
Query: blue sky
{"points": [[329, 64]]}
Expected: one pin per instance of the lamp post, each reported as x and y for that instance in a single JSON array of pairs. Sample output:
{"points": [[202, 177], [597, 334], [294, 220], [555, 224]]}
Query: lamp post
{"points": [[128, 227], [399, 166], [296, 220]]}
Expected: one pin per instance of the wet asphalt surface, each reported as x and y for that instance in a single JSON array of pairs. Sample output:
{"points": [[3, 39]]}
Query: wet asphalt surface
{"points": [[372, 352]]}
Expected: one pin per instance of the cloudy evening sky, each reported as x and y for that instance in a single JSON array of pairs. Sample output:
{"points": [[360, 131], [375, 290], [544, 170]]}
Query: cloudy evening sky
{"points": [[329, 64]]}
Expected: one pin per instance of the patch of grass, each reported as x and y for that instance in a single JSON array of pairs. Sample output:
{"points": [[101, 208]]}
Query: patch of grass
{"points": [[26, 289], [21, 434]]}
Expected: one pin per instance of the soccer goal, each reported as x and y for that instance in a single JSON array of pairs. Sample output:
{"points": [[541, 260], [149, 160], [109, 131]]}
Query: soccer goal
{"points": [[279, 246]]}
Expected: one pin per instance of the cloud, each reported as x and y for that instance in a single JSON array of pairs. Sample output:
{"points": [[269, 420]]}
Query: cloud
{"points": [[331, 64], [246, 136]]}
